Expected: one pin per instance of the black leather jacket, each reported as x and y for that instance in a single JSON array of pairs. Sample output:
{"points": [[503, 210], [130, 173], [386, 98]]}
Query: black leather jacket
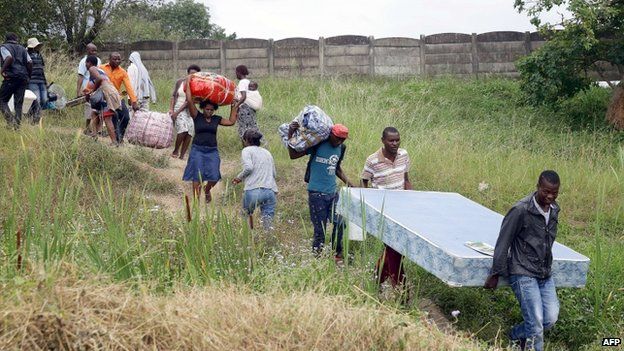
{"points": [[524, 244]]}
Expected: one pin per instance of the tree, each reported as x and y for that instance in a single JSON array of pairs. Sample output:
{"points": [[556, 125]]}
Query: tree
{"points": [[79, 22], [187, 19], [591, 41]]}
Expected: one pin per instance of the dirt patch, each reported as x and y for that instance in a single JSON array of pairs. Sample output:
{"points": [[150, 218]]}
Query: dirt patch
{"points": [[172, 202]]}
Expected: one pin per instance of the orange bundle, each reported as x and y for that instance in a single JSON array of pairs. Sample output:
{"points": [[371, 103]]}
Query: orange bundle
{"points": [[212, 87]]}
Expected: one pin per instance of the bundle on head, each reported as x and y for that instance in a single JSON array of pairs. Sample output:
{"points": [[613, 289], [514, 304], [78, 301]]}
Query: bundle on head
{"points": [[213, 87]]}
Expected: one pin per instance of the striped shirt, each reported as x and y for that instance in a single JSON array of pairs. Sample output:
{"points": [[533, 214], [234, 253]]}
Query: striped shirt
{"points": [[385, 174]]}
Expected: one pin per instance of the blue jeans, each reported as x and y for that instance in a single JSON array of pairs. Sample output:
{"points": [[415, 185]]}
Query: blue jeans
{"points": [[41, 92], [265, 199], [539, 306], [322, 209]]}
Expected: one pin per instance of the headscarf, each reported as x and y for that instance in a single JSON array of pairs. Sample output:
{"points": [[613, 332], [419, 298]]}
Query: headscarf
{"points": [[141, 83]]}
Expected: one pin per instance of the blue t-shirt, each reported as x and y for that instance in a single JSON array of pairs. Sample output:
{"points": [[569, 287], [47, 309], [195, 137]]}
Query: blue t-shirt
{"points": [[323, 163]]}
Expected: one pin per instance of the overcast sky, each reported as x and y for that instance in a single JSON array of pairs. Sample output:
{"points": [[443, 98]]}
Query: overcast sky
{"points": [[278, 19]]}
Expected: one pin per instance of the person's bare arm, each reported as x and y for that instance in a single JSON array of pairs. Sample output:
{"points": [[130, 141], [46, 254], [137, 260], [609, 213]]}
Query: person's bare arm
{"points": [[243, 97], [93, 72], [233, 115], [343, 176], [79, 84], [408, 184], [174, 95], [131, 93], [189, 99], [292, 153]]}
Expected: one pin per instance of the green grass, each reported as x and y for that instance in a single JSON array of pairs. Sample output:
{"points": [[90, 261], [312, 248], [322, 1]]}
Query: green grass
{"points": [[458, 133]]}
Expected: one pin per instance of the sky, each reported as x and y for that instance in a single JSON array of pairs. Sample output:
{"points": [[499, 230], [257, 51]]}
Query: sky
{"points": [[279, 19]]}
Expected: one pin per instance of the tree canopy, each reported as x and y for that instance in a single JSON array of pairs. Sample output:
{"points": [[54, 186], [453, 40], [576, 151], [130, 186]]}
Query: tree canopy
{"points": [[78, 22], [579, 49]]}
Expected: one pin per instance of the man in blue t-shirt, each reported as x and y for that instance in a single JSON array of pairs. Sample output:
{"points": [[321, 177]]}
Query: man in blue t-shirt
{"points": [[323, 168]]}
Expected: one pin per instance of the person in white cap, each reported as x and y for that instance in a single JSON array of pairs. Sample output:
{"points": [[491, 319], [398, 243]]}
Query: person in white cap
{"points": [[140, 81], [37, 83]]}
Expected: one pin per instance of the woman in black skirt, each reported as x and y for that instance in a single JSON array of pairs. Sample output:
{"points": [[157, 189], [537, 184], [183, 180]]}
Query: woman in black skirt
{"points": [[204, 162]]}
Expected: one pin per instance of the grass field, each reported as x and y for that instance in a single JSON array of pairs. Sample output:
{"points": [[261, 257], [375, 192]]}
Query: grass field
{"points": [[89, 221]]}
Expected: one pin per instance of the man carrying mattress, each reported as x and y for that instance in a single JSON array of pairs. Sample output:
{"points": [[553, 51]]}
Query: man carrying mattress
{"points": [[388, 169], [323, 168], [523, 254]]}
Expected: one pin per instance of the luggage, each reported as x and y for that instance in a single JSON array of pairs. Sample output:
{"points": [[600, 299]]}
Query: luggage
{"points": [[213, 87], [314, 127], [151, 129]]}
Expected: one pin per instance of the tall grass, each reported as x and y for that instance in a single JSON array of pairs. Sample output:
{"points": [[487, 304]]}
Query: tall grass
{"points": [[76, 201]]}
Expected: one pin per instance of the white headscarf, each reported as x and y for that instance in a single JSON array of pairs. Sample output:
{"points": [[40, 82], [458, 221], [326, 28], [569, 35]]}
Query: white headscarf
{"points": [[140, 79]]}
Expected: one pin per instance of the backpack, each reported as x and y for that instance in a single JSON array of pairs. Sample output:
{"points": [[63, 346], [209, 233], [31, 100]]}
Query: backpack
{"points": [[343, 149]]}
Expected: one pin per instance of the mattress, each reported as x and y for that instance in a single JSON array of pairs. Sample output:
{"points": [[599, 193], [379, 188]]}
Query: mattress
{"points": [[431, 229]]}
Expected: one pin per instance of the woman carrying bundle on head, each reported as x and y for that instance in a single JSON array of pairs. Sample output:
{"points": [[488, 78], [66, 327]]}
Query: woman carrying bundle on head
{"points": [[204, 163]]}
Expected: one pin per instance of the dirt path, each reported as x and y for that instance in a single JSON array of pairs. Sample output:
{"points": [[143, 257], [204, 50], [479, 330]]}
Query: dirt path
{"points": [[174, 202]]}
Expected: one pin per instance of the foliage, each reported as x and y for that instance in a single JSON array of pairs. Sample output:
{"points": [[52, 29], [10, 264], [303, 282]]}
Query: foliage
{"points": [[590, 41], [147, 20], [79, 22], [188, 19]]}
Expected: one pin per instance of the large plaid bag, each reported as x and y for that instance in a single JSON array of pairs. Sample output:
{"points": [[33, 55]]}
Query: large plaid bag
{"points": [[151, 129], [314, 127]]}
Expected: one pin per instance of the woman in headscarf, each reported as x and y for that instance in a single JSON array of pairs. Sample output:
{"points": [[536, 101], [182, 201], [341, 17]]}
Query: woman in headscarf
{"points": [[246, 114], [141, 82]]}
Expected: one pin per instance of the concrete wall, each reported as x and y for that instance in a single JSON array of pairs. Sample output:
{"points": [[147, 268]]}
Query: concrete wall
{"points": [[458, 54]]}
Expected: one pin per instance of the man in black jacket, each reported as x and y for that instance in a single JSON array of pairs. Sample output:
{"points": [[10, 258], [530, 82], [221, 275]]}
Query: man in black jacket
{"points": [[16, 69], [523, 254]]}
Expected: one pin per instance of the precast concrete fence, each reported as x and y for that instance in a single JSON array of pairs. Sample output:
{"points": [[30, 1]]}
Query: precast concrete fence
{"points": [[456, 54]]}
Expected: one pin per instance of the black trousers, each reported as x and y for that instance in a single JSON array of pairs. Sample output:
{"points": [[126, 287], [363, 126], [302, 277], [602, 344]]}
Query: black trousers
{"points": [[120, 121], [13, 87]]}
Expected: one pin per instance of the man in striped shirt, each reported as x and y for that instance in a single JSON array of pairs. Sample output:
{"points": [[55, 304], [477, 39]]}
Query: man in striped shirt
{"points": [[388, 168]]}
